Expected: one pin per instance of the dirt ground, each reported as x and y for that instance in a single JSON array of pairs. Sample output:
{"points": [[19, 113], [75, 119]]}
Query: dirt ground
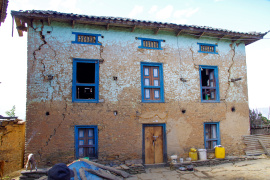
{"points": [[246, 170]]}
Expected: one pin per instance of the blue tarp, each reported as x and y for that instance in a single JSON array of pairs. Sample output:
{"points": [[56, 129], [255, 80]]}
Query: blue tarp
{"points": [[80, 164]]}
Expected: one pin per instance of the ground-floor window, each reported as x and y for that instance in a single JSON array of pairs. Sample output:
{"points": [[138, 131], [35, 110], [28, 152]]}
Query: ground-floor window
{"points": [[211, 135], [86, 141]]}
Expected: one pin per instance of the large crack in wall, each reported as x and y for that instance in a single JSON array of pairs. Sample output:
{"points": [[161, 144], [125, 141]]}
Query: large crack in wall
{"points": [[229, 70]]}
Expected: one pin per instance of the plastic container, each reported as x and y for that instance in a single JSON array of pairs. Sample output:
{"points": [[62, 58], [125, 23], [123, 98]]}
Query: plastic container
{"points": [[202, 154], [174, 159], [219, 152], [193, 154]]}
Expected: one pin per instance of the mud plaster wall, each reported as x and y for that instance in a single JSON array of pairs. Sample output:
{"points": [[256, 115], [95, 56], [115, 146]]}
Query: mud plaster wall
{"points": [[50, 51], [12, 138]]}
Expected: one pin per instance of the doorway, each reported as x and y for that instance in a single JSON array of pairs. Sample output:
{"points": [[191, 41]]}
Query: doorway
{"points": [[154, 143]]}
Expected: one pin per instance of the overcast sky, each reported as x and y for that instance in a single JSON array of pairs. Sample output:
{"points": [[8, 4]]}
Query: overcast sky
{"points": [[236, 15]]}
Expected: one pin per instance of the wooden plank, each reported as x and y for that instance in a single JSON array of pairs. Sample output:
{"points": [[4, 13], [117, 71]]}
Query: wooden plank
{"points": [[82, 174], [158, 144], [75, 174], [19, 24], [265, 149], [133, 28], [103, 174], [149, 147], [122, 173], [179, 32]]}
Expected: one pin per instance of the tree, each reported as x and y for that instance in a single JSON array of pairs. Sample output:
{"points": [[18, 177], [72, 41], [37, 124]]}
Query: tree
{"points": [[11, 113], [257, 119]]}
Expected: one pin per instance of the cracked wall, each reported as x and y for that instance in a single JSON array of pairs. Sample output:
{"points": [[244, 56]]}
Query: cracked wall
{"points": [[12, 138], [50, 52]]}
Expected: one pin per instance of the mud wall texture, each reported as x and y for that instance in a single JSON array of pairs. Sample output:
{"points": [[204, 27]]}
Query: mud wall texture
{"points": [[51, 114], [12, 138]]}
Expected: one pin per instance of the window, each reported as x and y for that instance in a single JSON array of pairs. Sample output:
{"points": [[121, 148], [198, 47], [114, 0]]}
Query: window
{"points": [[211, 135], [152, 82], [86, 141], [209, 84], [147, 43], [85, 80], [207, 48], [86, 38]]}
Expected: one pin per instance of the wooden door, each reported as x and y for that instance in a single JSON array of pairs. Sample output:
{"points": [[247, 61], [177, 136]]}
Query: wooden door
{"points": [[153, 144]]}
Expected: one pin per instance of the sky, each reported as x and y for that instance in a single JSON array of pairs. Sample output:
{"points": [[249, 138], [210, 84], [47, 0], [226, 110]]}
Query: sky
{"points": [[236, 15]]}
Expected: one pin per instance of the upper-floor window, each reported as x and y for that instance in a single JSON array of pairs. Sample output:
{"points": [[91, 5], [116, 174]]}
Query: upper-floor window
{"points": [[207, 48], [152, 82], [86, 38], [209, 83], [148, 43], [85, 83]]}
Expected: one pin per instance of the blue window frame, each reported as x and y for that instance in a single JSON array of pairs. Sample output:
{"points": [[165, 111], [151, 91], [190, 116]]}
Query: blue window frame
{"points": [[85, 84], [207, 48], [86, 38], [147, 43], [211, 135], [209, 83], [152, 82], [86, 145]]}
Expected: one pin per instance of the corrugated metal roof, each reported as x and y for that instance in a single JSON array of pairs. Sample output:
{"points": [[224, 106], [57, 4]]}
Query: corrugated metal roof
{"points": [[199, 31], [133, 20]]}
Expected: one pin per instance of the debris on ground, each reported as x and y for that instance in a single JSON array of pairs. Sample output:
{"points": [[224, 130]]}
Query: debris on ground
{"points": [[83, 169]]}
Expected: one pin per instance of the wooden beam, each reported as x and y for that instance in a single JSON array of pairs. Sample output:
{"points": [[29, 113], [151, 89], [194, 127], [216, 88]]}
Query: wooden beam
{"points": [[122, 173], [179, 32], [200, 35], [108, 27], [19, 24], [156, 30], [49, 21], [22, 28], [102, 173], [220, 37], [73, 23], [133, 28], [235, 38]]}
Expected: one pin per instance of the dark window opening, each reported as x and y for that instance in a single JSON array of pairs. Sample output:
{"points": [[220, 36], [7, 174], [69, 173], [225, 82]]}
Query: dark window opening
{"points": [[85, 92], [85, 73], [208, 84], [85, 81]]}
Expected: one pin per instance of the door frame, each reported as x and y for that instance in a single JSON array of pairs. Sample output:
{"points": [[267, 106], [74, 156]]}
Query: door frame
{"points": [[164, 141]]}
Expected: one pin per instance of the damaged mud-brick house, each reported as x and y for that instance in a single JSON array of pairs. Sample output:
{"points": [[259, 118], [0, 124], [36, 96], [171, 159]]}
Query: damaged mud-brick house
{"points": [[117, 89]]}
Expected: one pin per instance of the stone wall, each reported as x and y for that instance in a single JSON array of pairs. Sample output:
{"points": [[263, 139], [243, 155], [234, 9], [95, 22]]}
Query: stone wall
{"points": [[51, 114], [12, 138]]}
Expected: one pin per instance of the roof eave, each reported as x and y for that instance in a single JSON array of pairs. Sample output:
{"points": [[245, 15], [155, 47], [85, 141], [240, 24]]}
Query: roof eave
{"points": [[24, 17]]}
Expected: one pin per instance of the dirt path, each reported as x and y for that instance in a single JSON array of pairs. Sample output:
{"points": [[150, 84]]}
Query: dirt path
{"points": [[245, 170]]}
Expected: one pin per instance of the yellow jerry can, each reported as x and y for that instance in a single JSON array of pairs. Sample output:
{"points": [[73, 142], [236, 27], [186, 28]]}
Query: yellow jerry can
{"points": [[193, 154], [219, 152]]}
